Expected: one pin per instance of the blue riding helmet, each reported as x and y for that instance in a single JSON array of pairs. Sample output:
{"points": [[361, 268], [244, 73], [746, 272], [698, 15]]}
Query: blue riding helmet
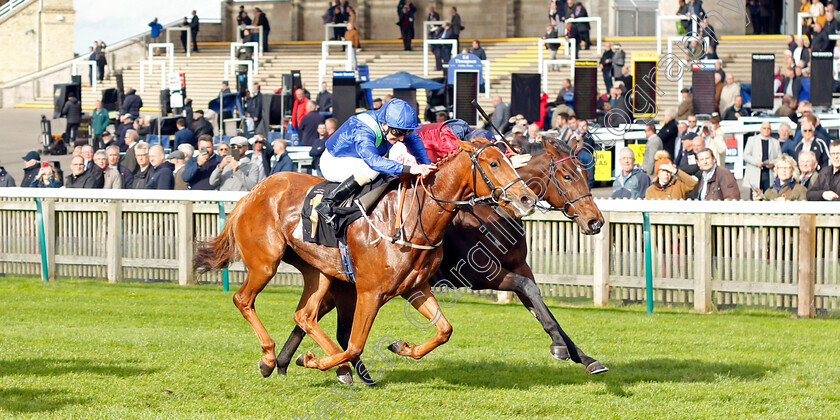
{"points": [[397, 113]]}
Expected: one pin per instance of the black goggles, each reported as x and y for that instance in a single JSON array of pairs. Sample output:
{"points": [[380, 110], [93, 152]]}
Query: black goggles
{"points": [[399, 132]]}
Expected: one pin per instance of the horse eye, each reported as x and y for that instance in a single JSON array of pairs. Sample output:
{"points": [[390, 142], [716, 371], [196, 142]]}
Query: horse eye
{"points": [[567, 177], [494, 164]]}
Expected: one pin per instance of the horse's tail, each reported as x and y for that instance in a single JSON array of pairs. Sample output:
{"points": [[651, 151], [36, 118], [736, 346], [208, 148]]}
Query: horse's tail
{"points": [[217, 252]]}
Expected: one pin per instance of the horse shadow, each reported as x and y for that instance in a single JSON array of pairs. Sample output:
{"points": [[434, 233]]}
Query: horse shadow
{"points": [[501, 375], [18, 400], [56, 367]]}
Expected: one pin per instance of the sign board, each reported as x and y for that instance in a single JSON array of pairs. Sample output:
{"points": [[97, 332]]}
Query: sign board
{"points": [[603, 165], [464, 62], [639, 151]]}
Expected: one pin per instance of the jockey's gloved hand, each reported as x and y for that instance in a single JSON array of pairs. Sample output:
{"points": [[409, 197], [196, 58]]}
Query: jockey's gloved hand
{"points": [[422, 170]]}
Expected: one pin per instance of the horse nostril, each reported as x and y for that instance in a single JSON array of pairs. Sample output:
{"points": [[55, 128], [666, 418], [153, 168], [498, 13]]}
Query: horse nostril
{"points": [[595, 225], [528, 201]]}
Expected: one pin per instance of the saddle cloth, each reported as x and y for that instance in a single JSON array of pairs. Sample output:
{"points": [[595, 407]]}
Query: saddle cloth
{"points": [[315, 231]]}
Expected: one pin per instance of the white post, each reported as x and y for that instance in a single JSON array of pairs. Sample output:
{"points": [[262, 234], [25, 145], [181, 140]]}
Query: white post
{"points": [[231, 63], [170, 52], [428, 43], [329, 26], [186, 29], [252, 28], [597, 21], [659, 20]]}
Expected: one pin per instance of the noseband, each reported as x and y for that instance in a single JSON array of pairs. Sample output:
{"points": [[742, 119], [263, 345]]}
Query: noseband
{"points": [[552, 175]]}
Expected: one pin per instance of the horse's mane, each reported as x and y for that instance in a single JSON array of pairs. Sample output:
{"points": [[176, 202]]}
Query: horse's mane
{"points": [[478, 141], [559, 144]]}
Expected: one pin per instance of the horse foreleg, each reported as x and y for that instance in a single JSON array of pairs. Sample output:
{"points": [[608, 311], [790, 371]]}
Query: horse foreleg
{"points": [[526, 289], [367, 306], [295, 338], [345, 303], [424, 301], [307, 315]]}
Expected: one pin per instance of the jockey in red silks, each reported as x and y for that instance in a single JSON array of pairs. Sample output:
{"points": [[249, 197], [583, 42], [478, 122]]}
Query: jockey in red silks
{"points": [[355, 153]]}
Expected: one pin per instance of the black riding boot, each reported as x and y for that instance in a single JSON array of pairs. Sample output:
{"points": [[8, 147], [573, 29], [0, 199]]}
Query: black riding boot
{"points": [[335, 197]]}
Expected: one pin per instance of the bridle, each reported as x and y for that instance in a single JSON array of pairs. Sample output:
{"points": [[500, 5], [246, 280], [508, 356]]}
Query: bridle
{"points": [[497, 194], [553, 167]]}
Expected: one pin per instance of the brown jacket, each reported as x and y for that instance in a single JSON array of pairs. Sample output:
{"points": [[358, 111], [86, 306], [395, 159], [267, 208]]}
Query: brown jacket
{"points": [[679, 186], [721, 186], [796, 194]]}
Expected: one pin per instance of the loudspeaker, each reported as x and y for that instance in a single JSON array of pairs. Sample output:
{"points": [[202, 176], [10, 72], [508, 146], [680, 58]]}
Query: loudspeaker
{"points": [[703, 90], [344, 98], [466, 91], [168, 126], [822, 80], [111, 99], [761, 92], [60, 94], [586, 85], [275, 111], [644, 90], [297, 81], [525, 95], [76, 80], [120, 88], [165, 105]]}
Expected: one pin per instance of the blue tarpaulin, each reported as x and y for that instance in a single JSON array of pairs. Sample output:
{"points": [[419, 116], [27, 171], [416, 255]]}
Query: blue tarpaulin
{"points": [[231, 102]]}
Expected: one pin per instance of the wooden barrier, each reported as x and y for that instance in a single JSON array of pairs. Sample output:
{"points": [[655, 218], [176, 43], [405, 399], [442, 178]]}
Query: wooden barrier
{"points": [[707, 255]]}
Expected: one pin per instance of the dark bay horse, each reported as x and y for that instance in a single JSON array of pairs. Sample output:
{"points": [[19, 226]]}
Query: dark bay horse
{"points": [[264, 228], [559, 179]]}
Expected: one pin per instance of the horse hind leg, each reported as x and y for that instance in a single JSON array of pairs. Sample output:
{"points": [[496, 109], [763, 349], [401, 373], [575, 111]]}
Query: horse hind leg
{"points": [[306, 317], [259, 274]]}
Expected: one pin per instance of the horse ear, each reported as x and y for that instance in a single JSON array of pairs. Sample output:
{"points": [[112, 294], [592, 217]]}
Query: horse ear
{"points": [[468, 146], [576, 144]]}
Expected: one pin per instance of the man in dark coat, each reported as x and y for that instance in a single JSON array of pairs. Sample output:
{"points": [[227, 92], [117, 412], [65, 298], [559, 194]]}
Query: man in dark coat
{"points": [[162, 177], [31, 166], [715, 181], [198, 169], [79, 177], [200, 126], [73, 112], [819, 39], [254, 105], [572, 33], [262, 20], [668, 132], [194, 27], [184, 135], [281, 162], [132, 104], [456, 27], [308, 127], [582, 27]]}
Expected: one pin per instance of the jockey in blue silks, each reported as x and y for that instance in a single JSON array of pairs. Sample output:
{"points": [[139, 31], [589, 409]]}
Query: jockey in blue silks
{"points": [[355, 153]]}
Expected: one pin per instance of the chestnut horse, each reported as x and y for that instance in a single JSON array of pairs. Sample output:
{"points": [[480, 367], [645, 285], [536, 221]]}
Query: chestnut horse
{"points": [[559, 179], [265, 228]]}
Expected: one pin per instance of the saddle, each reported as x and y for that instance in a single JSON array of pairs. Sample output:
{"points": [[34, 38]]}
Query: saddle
{"points": [[314, 231]]}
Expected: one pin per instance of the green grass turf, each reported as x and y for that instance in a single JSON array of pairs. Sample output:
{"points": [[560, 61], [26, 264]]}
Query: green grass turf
{"points": [[74, 349]]}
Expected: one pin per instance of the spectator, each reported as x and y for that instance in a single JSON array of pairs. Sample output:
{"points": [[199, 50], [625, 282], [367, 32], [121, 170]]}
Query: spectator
{"points": [[572, 33], [198, 169], [812, 143], [6, 180], [807, 168], [718, 90], [479, 52], [126, 176], [234, 174], [132, 104], [605, 64], [831, 27], [716, 182], [261, 20], [254, 107], [185, 24], [617, 60], [352, 35], [801, 52], [308, 129], [324, 99], [819, 39], [455, 22], [154, 34], [433, 15], [728, 93], [565, 88], [101, 62], [666, 186], [340, 15], [691, 119], [73, 112], [501, 114], [144, 168], [686, 107], [31, 166], [318, 148], [708, 31], [225, 88], [441, 116], [668, 133], [126, 123], [79, 178], [631, 181], [281, 162], [108, 140], [784, 187], [737, 110], [46, 178], [299, 107], [827, 185], [177, 160], [713, 138], [110, 177], [686, 159], [626, 78], [87, 155], [99, 122], [760, 155], [653, 145], [162, 176], [224, 148], [261, 155], [786, 143], [242, 20], [194, 28], [406, 23], [129, 159], [788, 105], [200, 126], [184, 134], [582, 27]]}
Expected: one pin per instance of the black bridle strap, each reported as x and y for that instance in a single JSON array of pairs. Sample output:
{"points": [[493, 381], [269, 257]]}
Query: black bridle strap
{"points": [[563, 192]]}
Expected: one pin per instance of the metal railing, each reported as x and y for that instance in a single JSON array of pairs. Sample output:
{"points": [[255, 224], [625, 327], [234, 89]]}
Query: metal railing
{"points": [[706, 254]]}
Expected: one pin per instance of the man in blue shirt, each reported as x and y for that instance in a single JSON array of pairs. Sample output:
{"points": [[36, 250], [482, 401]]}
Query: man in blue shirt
{"points": [[183, 135]]}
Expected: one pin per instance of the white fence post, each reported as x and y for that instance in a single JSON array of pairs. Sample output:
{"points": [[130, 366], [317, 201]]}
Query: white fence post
{"points": [[113, 248], [185, 243], [602, 245], [703, 263]]}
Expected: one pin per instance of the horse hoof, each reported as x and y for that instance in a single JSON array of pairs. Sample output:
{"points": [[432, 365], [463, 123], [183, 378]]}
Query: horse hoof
{"points": [[398, 347], [345, 375], [281, 370], [300, 359], [596, 367], [265, 369], [560, 353]]}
